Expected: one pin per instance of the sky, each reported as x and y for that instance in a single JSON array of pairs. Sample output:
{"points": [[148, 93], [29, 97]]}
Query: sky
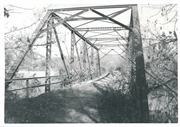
{"points": [[25, 17]]}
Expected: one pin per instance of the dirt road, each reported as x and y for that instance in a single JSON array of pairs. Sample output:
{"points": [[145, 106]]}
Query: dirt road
{"points": [[78, 104], [81, 104]]}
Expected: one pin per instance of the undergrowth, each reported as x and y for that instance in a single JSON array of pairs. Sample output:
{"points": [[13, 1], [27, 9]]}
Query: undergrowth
{"points": [[33, 110], [117, 107]]}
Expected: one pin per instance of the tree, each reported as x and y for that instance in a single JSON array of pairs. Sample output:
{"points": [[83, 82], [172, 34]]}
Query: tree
{"points": [[160, 52]]}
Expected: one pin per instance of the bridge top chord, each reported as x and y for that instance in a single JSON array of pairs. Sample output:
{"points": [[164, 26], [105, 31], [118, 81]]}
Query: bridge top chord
{"points": [[99, 28], [94, 7]]}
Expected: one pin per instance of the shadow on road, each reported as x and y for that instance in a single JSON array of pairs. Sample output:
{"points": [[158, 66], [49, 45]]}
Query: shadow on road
{"points": [[86, 103]]}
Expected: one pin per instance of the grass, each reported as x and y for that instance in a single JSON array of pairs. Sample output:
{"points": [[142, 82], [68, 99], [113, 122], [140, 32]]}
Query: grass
{"points": [[33, 110]]}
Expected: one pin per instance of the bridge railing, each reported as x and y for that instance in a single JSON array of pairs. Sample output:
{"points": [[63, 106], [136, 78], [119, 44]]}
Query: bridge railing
{"points": [[62, 80], [28, 86], [27, 82]]}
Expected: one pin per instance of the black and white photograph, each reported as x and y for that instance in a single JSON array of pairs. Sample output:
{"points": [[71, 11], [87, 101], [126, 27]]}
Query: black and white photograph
{"points": [[90, 63]]}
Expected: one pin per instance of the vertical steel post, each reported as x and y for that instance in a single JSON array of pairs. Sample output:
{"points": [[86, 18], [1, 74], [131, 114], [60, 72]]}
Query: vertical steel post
{"points": [[79, 60], [98, 64], [84, 57], [92, 56], [92, 62], [96, 59], [88, 62], [130, 53], [140, 70], [48, 56], [73, 41], [131, 67], [27, 89]]}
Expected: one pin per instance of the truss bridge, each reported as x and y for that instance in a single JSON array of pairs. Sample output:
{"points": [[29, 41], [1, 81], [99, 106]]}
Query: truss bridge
{"points": [[95, 32]]}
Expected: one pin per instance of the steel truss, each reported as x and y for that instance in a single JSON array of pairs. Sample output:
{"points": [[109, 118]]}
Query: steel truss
{"points": [[134, 51], [48, 56], [102, 39], [99, 29]]}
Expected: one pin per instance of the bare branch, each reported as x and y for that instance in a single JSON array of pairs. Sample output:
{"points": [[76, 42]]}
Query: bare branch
{"points": [[22, 28], [170, 19], [21, 7], [175, 73]]}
